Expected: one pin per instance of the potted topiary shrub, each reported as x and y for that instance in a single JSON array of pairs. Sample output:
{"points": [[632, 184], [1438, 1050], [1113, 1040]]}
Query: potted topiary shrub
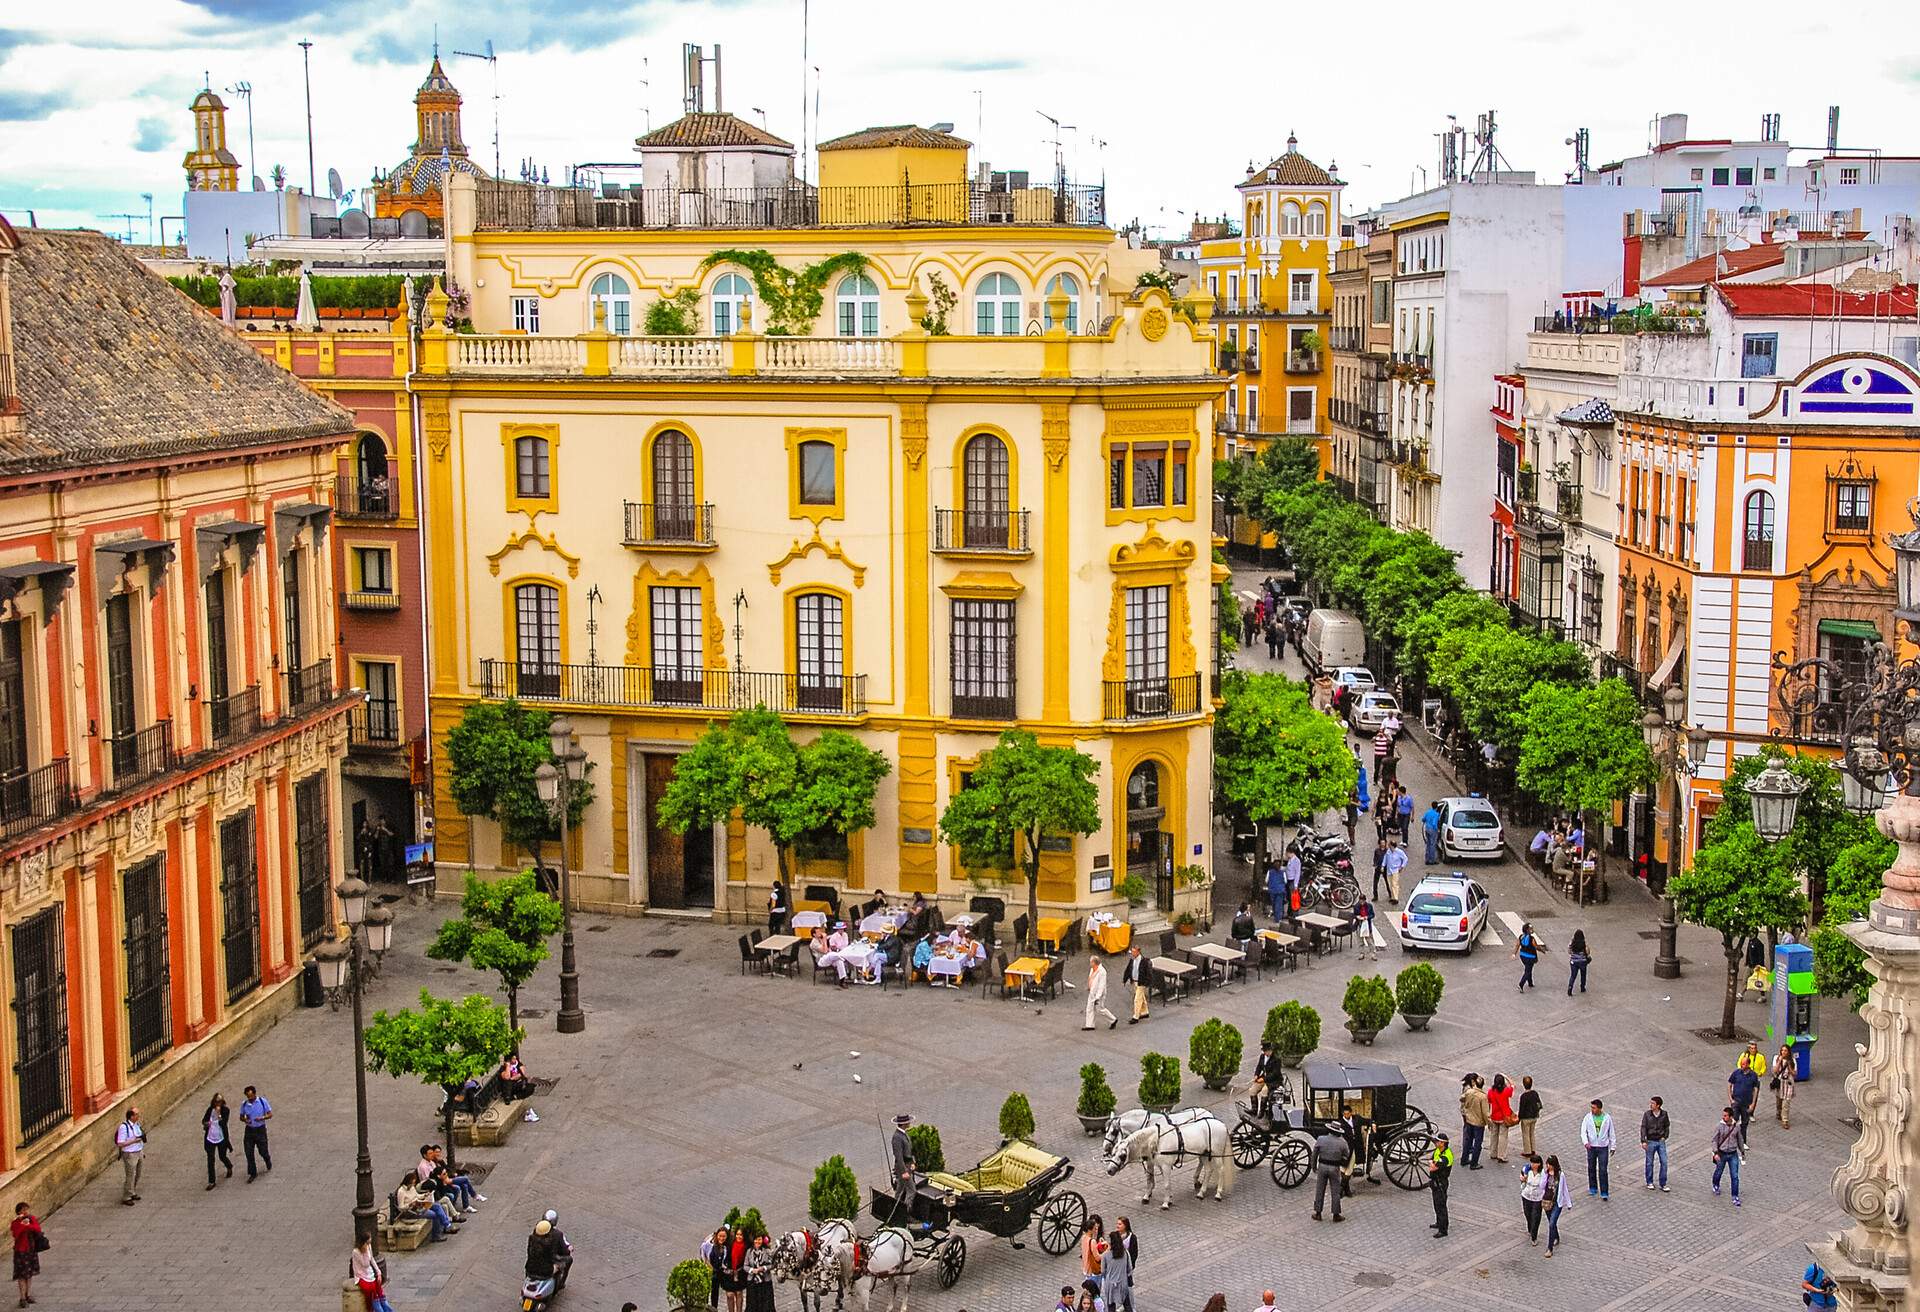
{"points": [[747, 1219], [1369, 1006], [1417, 989], [1293, 1028], [690, 1284], [927, 1152], [1159, 1082], [1213, 1053], [1016, 1118], [1133, 889], [1096, 1098], [834, 1192]]}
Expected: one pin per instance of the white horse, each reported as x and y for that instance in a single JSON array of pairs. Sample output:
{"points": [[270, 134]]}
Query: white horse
{"points": [[1166, 1142], [821, 1260], [891, 1257]]}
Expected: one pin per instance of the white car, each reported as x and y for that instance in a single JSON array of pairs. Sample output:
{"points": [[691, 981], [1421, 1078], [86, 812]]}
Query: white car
{"points": [[1375, 709], [1469, 827], [1357, 678], [1444, 911]]}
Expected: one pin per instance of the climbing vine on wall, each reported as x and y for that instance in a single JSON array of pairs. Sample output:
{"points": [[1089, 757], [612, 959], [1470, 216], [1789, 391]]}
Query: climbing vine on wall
{"points": [[792, 298], [677, 315]]}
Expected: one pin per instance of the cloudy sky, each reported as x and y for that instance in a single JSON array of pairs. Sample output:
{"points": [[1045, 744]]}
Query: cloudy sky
{"points": [[1170, 101]]}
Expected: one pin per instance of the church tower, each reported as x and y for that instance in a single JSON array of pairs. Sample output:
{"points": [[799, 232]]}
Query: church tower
{"points": [[210, 165], [413, 185], [437, 108]]}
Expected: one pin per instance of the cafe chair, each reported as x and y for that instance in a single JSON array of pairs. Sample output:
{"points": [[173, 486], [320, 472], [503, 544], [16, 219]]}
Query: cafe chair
{"points": [[818, 969], [995, 976], [750, 961], [1020, 926]]}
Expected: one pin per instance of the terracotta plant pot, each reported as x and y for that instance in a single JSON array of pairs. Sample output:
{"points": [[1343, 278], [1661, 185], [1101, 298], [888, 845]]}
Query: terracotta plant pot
{"points": [[1185, 929]]}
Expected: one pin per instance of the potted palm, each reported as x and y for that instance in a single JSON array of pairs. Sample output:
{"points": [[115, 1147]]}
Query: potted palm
{"points": [[1096, 1098], [1159, 1082], [1369, 1006], [1293, 1028], [1417, 989], [1213, 1053]]}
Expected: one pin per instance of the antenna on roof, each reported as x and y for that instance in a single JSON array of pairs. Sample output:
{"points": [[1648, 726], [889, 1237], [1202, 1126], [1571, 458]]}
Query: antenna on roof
{"points": [[244, 90], [492, 61]]}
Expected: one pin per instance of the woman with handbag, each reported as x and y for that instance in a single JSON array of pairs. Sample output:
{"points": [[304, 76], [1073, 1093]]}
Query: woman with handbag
{"points": [[367, 1274], [1578, 957], [1782, 1083], [1533, 1192], [29, 1241], [1500, 1115]]}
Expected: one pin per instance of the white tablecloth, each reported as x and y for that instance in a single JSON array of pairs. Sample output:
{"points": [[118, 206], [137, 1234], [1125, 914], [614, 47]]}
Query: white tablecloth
{"points": [[880, 922], [809, 919], [939, 965]]}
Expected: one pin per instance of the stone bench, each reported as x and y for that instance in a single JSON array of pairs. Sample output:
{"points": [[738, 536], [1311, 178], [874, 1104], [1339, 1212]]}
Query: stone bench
{"points": [[491, 1127]]}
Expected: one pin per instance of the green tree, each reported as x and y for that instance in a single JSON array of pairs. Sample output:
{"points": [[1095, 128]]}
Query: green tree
{"points": [[1455, 612], [444, 1043], [1275, 757], [1582, 749], [791, 791], [1407, 584], [492, 754], [1853, 881], [1740, 886], [1016, 1118], [1022, 791], [1823, 828], [677, 315], [1488, 672], [503, 926], [834, 1192]]}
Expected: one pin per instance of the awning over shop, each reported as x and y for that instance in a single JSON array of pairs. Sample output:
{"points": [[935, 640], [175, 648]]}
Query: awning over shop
{"points": [[1668, 663], [1850, 629]]}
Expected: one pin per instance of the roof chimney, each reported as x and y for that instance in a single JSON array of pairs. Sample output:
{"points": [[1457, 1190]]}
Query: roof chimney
{"points": [[1833, 128], [1670, 128]]}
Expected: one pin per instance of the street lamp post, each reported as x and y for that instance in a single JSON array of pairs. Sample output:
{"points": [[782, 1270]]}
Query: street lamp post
{"points": [[1684, 749], [555, 782], [343, 965]]}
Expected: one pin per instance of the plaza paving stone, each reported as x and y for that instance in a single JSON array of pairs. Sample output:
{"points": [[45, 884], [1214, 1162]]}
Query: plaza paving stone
{"points": [[682, 1099]]}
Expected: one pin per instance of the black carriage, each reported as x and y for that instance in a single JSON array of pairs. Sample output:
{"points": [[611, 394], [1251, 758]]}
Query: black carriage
{"points": [[1011, 1190], [1392, 1131]]}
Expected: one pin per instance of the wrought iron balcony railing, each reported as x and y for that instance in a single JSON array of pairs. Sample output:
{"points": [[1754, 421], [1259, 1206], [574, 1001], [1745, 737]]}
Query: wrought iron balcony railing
{"points": [[310, 686], [140, 754], [962, 531], [31, 798], [652, 523], [1150, 698], [234, 717], [691, 687]]}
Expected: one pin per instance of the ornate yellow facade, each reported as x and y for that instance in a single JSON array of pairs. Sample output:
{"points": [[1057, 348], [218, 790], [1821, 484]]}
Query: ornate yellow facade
{"points": [[919, 519]]}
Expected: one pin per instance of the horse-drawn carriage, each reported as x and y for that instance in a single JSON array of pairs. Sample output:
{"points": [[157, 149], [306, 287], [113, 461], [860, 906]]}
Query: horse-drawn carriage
{"points": [[1006, 1193], [1391, 1129]]}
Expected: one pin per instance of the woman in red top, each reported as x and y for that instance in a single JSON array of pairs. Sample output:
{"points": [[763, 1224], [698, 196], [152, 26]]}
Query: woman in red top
{"points": [[27, 1243], [1500, 1115]]}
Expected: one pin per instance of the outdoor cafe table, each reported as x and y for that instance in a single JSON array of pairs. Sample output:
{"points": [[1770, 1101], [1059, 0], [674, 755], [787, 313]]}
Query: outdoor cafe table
{"points": [[1053, 929], [779, 943], [965, 920], [945, 969], [1026, 970], [1322, 925], [809, 920], [1111, 935], [1177, 971], [1217, 952]]}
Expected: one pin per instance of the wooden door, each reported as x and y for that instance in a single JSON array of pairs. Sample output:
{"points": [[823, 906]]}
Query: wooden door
{"points": [[666, 849]]}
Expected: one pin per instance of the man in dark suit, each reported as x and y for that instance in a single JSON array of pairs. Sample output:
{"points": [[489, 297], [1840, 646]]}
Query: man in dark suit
{"points": [[1267, 1075], [902, 1151], [1139, 977]]}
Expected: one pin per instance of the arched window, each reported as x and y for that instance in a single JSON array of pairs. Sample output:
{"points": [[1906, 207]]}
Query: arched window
{"points": [[373, 490], [675, 517], [1759, 531], [1289, 220], [1064, 284], [536, 620], [1316, 220], [532, 469], [819, 632], [611, 290], [857, 306], [731, 293], [986, 484], [996, 307]]}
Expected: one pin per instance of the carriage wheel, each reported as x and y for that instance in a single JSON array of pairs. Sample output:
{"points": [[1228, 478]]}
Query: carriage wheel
{"points": [[1061, 1217], [952, 1257], [1250, 1146], [1405, 1156], [1292, 1161], [1416, 1122]]}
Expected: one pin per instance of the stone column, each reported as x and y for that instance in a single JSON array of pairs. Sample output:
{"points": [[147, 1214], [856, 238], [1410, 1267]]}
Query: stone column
{"points": [[1871, 1262]]}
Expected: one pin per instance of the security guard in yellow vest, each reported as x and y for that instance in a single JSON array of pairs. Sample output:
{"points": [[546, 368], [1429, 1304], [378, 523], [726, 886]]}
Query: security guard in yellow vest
{"points": [[1439, 1170]]}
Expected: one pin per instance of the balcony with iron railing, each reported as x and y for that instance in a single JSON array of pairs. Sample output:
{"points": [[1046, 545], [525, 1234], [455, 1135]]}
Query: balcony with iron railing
{"points": [[31, 798], [1303, 362], [374, 727], [1302, 426], [358, 497], [1527, 482], [1151, 698], [370, 599], [140, 754], [1250, 360], [310, 686], [233, 717], [974, 532], [675, 687], [663, 526], [1230, 359], [1570, 501], [1371, 420], [984, 706]]}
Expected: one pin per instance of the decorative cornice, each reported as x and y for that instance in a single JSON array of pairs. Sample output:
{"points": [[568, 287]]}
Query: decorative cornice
{"points": [[833, 551], [534, 535]]}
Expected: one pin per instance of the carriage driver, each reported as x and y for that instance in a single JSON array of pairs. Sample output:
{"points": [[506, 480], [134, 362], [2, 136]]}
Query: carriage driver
{"points": [[1266, 1074], [901, 1148]]}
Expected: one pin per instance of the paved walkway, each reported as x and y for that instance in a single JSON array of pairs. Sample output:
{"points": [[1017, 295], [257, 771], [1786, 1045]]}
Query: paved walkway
{"points": [[694, 1089]]}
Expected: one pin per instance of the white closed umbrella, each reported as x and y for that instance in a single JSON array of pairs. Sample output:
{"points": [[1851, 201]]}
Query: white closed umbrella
{"points": [[305, 316], [226, 297]]}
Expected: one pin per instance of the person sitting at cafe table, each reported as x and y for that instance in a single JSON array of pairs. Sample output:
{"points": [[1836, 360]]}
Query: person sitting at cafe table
{"points": [[916, 922]]}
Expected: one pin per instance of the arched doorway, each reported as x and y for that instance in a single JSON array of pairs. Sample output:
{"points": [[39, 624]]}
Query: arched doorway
{"points": [[374, 487], [1149, 845]]}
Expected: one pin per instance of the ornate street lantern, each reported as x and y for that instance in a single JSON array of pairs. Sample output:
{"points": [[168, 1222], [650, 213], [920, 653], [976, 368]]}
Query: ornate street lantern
{"points": [[1775, 796]]}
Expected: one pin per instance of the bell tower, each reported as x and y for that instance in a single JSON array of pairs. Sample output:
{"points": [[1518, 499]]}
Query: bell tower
{"points": [[437, 109], [210, 165]]}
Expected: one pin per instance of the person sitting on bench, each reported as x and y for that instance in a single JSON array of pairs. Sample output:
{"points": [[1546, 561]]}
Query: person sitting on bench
{"points": [[412, 1199], [513, 1080]]}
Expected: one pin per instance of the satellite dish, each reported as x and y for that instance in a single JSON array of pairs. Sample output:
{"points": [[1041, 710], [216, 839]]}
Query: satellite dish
{"points": [[334, 189], [259, 184]]}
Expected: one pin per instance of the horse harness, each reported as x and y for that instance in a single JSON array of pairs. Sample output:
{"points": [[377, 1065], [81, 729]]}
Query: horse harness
{"points": [[1180, 1151]]}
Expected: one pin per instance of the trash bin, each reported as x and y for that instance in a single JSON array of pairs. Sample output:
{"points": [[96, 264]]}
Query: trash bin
{"points": [[311, 994]]}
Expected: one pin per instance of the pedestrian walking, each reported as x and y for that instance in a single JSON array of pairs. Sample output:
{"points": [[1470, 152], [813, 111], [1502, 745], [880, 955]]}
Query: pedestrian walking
{"points": [[1533, 1192], [1474, 1114], [1528, 1111], [1743, 1091], [1439, 1171], [214, 1122], [1816, 1287], [1726, 1152], [1596, 1134], [29, 1241], [1403, 810], [1293, 872], [1500, 1115], [1139, 974], [1097, 992], [1276, 647], [367, 1274], [1577, 959], [1558, 1198], [1331, 1153], [1393, 861], [130, 1141], [1363, 929], [1655, 1126], [1430, 829], [255, 1112], [1527, 948], [1382, 751], [1781, 1082], [1751, 1059]]}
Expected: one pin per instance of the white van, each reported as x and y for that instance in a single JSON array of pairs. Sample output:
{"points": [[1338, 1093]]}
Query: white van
{"points": [[1333, 638]]}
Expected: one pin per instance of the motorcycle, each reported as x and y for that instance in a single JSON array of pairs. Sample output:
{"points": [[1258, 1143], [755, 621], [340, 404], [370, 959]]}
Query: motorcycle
{"points": [[537, 1293]]}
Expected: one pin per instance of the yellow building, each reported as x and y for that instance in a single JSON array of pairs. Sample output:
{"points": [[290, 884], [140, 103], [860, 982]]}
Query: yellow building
{"points": [[953, 491], [1274, 301], [210, 165]]}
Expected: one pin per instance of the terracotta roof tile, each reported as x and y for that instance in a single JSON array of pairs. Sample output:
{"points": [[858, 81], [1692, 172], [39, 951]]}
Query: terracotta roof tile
{"points": [[710, 128], [901, 134], [1706, 269], [1292, 170], [114, 364], [1770, 300]]}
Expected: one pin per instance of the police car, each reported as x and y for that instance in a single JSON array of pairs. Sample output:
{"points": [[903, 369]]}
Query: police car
{"points": [[1444, 911]]}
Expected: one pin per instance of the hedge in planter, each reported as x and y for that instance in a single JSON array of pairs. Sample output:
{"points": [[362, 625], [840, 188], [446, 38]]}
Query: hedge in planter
{"points": [[1159, 1080], [690, 1284], [1368, 1004], [1096, 1096], [1293, 1028], [747, 1219], [927, 1153], [1418, 989], [1016, 1118], [834, 1191], [1213, 1053]]}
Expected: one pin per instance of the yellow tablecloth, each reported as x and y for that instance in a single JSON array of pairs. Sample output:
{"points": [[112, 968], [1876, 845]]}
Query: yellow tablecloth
{"points": [[1112, 935], [1053, 929], [1029, 970]]}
